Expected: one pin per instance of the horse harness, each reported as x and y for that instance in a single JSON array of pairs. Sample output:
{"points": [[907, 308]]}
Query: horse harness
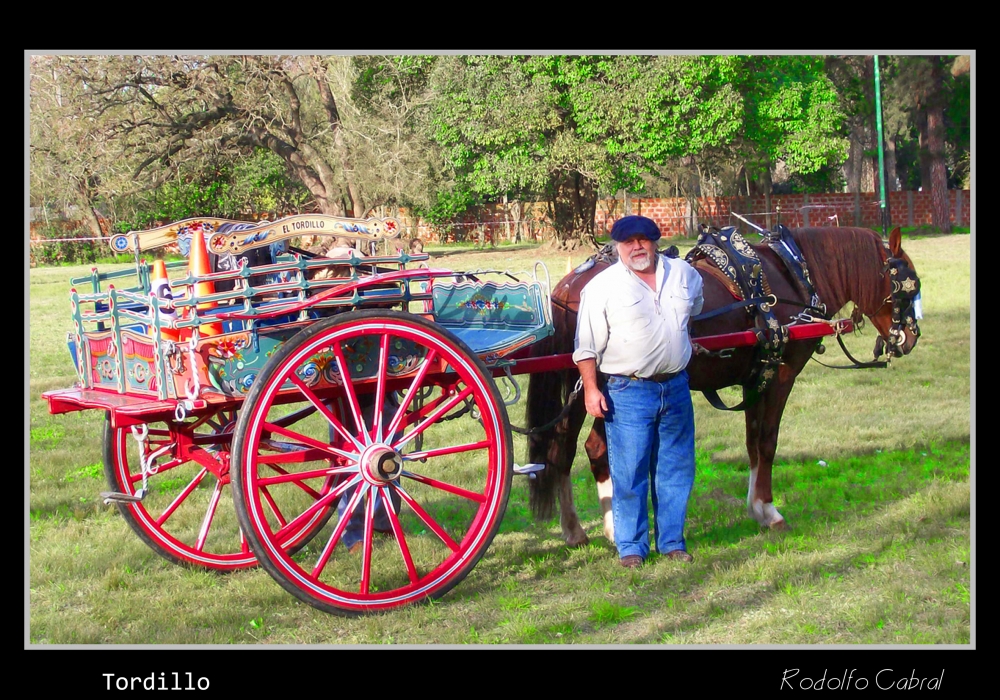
{"points": [[725, 251], [725, 246]]}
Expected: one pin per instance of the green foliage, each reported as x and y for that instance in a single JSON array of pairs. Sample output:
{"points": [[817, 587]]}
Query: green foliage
{"points": [[450, 205], [56, 251], [257, 186], [790, 112], [381, 78], [439, 134], [825, 179], [548, 126], [958, 130]]}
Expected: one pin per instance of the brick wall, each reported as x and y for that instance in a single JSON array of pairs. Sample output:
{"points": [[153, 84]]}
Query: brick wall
{"points": [[679, 217]]}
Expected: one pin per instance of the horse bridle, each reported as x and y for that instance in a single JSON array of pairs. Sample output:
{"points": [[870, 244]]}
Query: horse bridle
{"points": [[903, 294]]}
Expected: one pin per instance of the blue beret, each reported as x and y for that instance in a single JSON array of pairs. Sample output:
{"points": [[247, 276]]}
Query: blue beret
{"points": [[629, 226]]}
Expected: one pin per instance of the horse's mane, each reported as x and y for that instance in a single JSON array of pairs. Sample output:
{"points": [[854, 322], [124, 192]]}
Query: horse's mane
{"points": [[845, 264]]}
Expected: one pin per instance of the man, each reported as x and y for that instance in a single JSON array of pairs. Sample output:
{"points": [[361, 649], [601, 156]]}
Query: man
{"points": [[633, 327]]}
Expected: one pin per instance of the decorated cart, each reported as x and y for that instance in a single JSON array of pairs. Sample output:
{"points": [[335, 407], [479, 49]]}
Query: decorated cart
{"points": [[339, 420]]}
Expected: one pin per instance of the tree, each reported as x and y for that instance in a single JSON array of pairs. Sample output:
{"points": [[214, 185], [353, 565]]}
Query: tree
{"points": [[559, 128], [159, 119], [922, 80], [390, 130], [504, 132], [791, 114], [66, 167], [720, 124], [854, 77]]}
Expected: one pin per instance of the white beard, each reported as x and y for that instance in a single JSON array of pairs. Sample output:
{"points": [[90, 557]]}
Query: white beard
{"points": [[638, 264]]}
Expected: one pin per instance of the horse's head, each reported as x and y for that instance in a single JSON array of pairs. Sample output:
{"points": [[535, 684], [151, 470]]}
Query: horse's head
{"points": [[896, 319]]}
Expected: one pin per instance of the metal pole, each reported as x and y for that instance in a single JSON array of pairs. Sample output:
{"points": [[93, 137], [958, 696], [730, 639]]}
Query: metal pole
{"points": [[883, 201]]}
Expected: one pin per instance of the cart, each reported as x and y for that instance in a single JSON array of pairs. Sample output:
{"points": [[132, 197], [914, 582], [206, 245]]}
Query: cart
{"points": [[271, 413]]}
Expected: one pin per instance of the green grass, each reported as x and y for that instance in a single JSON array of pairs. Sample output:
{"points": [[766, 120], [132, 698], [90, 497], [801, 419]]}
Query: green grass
{"points": [[879, 552]]}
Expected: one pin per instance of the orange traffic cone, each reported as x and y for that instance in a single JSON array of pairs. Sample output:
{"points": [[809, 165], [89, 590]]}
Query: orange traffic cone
{"points": [[199, 265], [159, 287]]}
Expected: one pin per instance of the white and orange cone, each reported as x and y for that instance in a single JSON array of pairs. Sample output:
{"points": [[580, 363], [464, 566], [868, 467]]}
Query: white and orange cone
{"points": [[159, 287], [199, 265]]}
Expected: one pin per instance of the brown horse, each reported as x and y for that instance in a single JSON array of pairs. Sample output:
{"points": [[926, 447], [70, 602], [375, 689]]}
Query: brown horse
{"points": [[846, 265]]}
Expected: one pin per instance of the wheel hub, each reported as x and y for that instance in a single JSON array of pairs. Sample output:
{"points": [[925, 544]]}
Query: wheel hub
{"points": [[381, 464]]}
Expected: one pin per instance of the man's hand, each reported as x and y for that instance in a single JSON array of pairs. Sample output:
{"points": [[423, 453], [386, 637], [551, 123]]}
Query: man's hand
{"points": [[593, 399], [595, 402]]}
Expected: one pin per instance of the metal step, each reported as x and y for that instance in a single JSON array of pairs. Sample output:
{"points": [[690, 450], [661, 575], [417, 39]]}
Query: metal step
{"points": [[528, 469], [115, 497]]}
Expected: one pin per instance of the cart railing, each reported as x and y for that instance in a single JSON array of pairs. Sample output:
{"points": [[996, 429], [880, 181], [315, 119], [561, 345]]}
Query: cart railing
{"points": [[130, 341]]}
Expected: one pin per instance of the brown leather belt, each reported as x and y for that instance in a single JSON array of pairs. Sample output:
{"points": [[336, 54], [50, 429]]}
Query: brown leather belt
{"points": [[665, 377]]}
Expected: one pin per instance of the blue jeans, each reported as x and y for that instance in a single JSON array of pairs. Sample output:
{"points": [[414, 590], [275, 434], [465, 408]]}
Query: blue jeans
{"points": [[650, 428]]}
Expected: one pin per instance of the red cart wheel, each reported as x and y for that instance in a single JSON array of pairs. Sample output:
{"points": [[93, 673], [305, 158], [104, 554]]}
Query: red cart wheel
{"points": [[186, 513], [426, 492]]}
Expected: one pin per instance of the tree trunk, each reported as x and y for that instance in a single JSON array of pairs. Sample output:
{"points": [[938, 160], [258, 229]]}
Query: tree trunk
{"points": [[852, 167], [940, 207], [572, 204], [941, 211], [517, 211], [93, 222], [88, 211], [506, 218]]}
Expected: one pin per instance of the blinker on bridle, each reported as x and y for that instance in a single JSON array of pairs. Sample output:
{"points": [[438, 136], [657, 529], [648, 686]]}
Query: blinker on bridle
{"points": [[904, 295]]}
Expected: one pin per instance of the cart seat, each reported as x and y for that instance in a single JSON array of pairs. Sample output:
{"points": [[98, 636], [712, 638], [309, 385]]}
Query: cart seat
{"points": [[493, 319]]}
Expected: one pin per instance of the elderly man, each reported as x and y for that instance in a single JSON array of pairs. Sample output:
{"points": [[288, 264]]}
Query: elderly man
{"points": [[633, 327]]}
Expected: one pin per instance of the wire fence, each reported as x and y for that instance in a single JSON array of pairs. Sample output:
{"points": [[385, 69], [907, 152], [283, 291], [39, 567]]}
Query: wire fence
{"points": [[676, 218]]}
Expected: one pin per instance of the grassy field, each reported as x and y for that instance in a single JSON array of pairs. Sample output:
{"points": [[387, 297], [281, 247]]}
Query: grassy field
{"points": [[873, 473]]}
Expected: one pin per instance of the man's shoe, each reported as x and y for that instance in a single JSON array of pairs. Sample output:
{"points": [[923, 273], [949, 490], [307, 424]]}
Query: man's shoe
{"points": [[631, 561], [680, 555]]}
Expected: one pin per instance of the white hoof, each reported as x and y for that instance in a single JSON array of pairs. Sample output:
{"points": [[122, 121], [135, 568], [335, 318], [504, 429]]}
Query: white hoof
{"points": [[764, 513], [767, 515]]}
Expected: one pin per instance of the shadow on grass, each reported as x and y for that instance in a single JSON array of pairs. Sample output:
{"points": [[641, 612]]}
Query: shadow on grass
{"points": [[725, 583]]}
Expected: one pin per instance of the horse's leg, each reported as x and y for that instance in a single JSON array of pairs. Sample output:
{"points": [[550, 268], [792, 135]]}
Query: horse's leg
{"points": [[597, 452], [567, 433], [762, 422], [556, 448]]}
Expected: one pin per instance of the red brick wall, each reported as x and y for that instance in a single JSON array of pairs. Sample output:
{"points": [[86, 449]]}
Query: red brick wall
{"points": [[676, 218]]}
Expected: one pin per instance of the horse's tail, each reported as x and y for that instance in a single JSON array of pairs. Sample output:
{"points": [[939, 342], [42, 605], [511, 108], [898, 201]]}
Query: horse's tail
{"points": [[544, 403]]}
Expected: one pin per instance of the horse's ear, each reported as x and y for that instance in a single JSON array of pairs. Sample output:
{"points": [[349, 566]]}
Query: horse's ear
{"points": [[895, 242]]}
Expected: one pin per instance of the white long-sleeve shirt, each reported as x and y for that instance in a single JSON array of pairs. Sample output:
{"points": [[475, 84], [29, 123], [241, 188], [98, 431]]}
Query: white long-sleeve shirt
{"points": [[631, 329]]}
